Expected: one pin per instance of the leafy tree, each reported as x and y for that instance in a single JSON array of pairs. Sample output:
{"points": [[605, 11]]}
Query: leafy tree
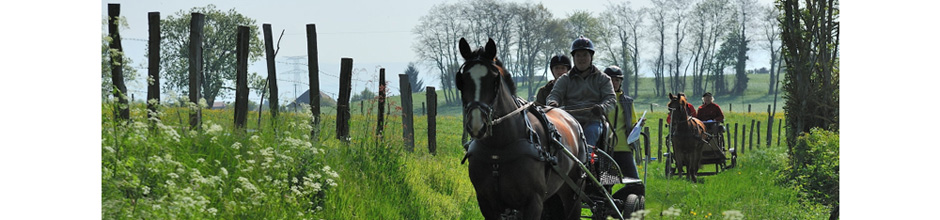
{"points": [[810, 37], [626, 22], [366, 94], [417, 85], [219, 45], [658, 25], [436, 45]]}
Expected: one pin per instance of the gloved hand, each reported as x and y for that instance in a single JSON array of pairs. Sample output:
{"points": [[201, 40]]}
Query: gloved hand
{"points": [[597, 109], [553, 104]]}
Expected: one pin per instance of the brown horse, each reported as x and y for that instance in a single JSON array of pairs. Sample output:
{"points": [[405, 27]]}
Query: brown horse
{"points": [[513, 168], [687, 135]]}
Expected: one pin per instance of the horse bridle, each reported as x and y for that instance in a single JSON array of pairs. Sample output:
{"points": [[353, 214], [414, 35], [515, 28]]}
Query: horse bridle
{"points": [[486, 109]]}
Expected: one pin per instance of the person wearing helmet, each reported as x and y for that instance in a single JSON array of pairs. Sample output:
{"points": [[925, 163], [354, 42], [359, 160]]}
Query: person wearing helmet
{"points": [[586, 93], [622, 119], [559, 64]]}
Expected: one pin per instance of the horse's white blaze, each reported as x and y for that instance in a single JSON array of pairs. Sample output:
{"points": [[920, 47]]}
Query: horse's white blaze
{"points": [[476, 121], [477, 72]]}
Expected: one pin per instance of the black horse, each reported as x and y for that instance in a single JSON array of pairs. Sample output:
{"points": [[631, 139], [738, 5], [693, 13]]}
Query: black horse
{"points": [[513, 167]]}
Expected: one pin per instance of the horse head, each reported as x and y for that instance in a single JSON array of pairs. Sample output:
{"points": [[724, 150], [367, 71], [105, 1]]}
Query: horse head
{"points": [[677, 107], [482, 82]]}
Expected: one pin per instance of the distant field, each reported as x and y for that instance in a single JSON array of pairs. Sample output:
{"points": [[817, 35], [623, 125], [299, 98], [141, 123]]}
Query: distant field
{"points": [[756, 95]]}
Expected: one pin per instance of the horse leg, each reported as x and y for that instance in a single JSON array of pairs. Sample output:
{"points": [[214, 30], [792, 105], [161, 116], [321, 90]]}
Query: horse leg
{"points": [[488, 211], [534, 209]]}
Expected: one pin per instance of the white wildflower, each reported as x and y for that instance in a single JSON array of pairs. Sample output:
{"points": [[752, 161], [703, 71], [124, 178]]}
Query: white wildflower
{"points": [[202, 103], [733, 214], [672, 211], [224, 171], [109, 149], [173, 175], [200, 160], [145, 189], [236, 145], [212, 211]]}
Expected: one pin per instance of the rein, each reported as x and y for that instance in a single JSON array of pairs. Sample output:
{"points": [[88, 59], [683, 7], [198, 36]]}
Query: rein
{"points": [[517, 111]]}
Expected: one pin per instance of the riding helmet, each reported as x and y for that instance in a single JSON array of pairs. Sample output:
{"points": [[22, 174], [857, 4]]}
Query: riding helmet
{"points": [[582, 43], [614, 71], [559, 59]]}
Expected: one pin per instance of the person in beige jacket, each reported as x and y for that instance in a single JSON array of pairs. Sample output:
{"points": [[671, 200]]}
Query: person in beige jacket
{"points": [[585, 92]]}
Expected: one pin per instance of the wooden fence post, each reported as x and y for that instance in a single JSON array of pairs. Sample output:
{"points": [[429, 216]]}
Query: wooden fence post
{"points": [[313, 72], [407, 116], [736, 137], [730, 107], [345, 88], [362, 107], [432, 119], [758, 134], [749, 110], [272, 72], [750, 139], [651, 107], [770, 125], [381, 120], [424, 110], [241, 76], [153, 69], [660, 147], [779, 128], [117, 61], [196, 26]]}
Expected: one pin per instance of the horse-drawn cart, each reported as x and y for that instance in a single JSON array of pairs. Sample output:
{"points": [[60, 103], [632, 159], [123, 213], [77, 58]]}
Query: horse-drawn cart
{"points": [[628, 199], [714, 153]]}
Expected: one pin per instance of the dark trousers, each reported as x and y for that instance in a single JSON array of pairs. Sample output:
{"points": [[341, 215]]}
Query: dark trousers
{"points": [[627, 165]]}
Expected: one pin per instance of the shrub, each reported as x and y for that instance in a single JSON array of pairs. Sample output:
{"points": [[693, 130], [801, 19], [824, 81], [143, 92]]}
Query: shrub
{"points": [[814, 166]]}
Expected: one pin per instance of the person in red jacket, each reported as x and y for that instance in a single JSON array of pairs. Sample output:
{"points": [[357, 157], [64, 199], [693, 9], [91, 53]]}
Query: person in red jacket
{"points": [[709, 112], [690, 109]]}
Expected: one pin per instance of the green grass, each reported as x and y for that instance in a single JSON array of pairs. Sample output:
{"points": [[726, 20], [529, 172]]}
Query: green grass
{"points": [[377, 178]]}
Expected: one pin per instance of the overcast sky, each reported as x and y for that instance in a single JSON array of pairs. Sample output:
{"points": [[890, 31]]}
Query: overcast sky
{"points": [[376, 34]]}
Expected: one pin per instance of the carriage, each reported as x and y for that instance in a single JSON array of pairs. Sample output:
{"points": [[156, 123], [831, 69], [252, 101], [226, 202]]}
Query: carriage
{"points": [[632, 196], [714, 153], [532, 162]]}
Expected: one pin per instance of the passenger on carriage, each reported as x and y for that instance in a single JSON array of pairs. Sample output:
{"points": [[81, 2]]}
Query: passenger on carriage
{"points": [[559, 64], [622, 120], [690, 110], [584, 91], [710, 113]]}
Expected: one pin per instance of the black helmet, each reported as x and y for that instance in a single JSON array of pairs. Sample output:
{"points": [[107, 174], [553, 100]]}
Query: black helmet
{"points": [[582, 43], [614, 71], [559, 59]]}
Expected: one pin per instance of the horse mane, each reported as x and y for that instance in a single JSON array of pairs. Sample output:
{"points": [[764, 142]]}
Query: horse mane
{"points": [[507, 78]]}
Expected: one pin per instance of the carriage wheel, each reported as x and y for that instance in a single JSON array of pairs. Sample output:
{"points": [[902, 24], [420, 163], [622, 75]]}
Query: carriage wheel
{"points": [[631, 205], [734, 158], [642, 204]]}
